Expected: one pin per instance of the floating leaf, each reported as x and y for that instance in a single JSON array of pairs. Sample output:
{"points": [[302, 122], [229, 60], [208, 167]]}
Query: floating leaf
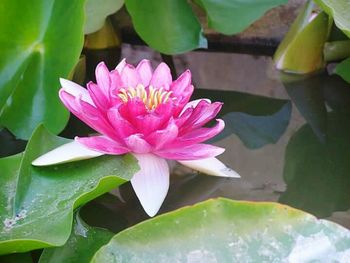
{"points": [[36, 203], [40, 41], [340, 11], [317, 173], [301, 51], [223, 230], [169, 26], [96, 12], [233, 16], [343, 69], [82, 244]]}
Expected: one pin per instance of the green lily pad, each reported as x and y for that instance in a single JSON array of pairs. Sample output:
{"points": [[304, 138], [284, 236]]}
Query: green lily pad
{"points": [[36, 203], [317, 173], [343, 69], [233, 16], [96, 12], [223, 230], [82, 244], [169, 26], [40, 41], [339, 10]]}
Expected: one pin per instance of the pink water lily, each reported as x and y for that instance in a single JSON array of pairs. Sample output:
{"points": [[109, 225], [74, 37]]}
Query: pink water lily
{"points": [[145, 113]]}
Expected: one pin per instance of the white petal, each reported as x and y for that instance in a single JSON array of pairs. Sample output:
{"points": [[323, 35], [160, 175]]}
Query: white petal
{"points": [[69, 152], [193, 104], [151, 183], [211, 166], [76, 90], [121, 66]]}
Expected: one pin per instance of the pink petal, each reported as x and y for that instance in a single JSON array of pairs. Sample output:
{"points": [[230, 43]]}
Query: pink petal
{"points": [[88, 114], [199, 135], [122, 127], [148, 123], [161, 77], [160, 138], [202, 114], [97, 95], [116, 84], [192, 152], [121, 65], [76, 90], [137, 144], [181, 84], [144, 70], [102, 78], [151, 183], [130, 77], [131, 109], [103, 144]]}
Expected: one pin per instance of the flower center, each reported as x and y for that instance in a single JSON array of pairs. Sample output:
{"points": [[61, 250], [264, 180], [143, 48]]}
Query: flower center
{"points": [[151, 97]]}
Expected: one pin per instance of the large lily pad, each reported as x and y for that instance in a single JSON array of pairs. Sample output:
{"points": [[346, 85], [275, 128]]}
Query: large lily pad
{"points": [[40, 41], [233, 16], [168, 26], [340, 11], [223, 230], [36, 203], [82, 244]]}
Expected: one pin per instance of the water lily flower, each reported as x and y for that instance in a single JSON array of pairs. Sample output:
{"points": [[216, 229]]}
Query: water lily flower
{"points": [[145, 113]]}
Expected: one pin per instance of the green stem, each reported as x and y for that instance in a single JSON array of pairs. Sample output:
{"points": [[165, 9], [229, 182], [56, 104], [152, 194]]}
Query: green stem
{"points": [[336, 50]]}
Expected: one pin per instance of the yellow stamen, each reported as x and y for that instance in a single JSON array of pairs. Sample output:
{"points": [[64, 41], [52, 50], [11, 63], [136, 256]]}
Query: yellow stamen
{"points": [[151, 97]]}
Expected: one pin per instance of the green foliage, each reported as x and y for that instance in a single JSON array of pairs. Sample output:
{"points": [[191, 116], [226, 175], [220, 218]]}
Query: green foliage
{"points": [[40, 41], [96, 12], [339, 10], [343, 69], [168, 26], [233, 16], [223, 230], [36, 203], [82, 244]]}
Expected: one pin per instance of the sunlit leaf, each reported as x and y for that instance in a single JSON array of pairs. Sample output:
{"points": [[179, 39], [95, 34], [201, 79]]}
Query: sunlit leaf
{"points": [[169, 26], [340, 11], [96, 12], [223, 230], [301, 51], [233, 16], [36, 203], [82, 244], [40, 41], [317, 173]]}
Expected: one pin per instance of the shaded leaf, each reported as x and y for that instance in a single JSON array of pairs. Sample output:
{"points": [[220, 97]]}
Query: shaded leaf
{"points": [[233, 16], [40, 41], [82, 244], [169, 26], [340, 11], [223, 230], [96, 12], [343, 69], [316, 173], [37, 202]]}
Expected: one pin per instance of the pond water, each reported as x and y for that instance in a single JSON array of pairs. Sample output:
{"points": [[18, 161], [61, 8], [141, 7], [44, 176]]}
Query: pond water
{"points": [[287, 136]]}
